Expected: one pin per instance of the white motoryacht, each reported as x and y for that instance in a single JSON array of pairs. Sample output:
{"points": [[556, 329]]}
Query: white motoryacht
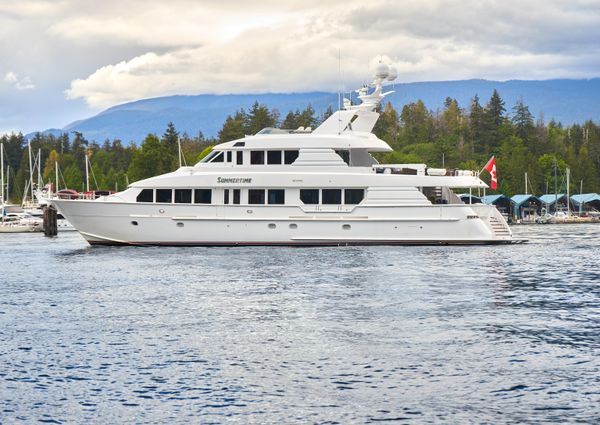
{"points": [[296, 187]]}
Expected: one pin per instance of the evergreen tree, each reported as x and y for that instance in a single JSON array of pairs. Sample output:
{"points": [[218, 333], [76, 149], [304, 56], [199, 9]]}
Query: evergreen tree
{"points": [[523, 121], [234, 127]]}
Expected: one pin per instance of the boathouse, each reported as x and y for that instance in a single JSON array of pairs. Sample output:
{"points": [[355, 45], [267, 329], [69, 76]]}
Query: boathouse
{"points": [[586, 202], [527, 208], [502, 202], [552, 203]]}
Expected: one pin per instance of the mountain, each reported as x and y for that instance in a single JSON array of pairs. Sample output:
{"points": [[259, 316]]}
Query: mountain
{"points": [[566, 101]]}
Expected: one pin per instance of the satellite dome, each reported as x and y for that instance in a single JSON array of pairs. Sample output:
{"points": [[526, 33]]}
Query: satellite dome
{"points": [[382, 71], [393, 73]]}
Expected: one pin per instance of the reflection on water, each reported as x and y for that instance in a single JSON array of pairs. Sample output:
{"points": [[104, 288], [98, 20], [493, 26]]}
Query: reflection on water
{"points": [[499, 334]]}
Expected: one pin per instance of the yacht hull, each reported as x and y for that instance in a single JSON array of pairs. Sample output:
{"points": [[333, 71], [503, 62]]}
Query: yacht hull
{"points": [[116, 223]]}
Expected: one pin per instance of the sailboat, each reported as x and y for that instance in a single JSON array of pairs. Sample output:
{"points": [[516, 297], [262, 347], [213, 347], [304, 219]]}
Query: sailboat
{"points": [[12, 217]]}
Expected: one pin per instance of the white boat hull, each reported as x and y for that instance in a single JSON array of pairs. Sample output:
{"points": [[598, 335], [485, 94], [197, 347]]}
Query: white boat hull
{"points": [[115, 223]]}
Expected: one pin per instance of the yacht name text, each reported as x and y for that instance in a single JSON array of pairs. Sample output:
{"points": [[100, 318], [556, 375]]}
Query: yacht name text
{"points": [[234, 180]]}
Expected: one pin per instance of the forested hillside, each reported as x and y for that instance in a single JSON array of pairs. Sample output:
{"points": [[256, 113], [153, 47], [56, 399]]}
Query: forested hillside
{"points": [[456, 136]]}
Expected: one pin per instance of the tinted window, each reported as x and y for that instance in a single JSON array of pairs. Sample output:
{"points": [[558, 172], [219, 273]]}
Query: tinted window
{"points": [[345, 156], [332, 196], [240, 157], [257, 157], [276, 196], [183, 196], [290, 156], [256, 196], [202, 196], [236, 196], [229, 156], [273, 157], [226, 196], [146, 195], [218, 158], [353, 196], [309, 196], [164, 195]]}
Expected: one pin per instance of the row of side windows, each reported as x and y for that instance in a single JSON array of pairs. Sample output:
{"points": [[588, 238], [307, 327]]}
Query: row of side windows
{"points": [[256, 157], [255, 196], [331, 196], [180, 196]]}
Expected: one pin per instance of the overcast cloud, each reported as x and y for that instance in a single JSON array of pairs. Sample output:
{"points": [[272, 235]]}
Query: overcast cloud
{"points": [[73, 53]]}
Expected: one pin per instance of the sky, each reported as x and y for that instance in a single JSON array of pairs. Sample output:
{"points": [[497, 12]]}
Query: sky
{"points": [[64, 60]]}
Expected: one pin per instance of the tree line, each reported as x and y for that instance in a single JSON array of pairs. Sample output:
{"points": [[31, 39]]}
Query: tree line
{"points": [[451, 137]]}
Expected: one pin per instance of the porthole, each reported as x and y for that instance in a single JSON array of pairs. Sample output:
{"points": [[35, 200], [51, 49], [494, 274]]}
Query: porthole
{"points": [[293, 226], [135, 223], [161, 211], [272, 225], [180, 224], [346, 227]]}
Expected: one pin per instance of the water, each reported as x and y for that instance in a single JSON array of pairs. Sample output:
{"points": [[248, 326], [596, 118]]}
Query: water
{"points": [[492, 334]]}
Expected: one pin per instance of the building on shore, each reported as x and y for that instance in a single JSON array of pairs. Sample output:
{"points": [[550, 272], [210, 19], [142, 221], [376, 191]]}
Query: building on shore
{"points": [[527, 208], [474, 199], [556, 202], [586, 203]]}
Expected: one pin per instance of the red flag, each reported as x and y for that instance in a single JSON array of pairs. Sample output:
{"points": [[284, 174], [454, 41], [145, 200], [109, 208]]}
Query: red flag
{"points": [[491, 168]]}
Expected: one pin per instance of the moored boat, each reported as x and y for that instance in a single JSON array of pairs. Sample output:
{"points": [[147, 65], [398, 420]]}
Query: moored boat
{"points": [[296, 187]]}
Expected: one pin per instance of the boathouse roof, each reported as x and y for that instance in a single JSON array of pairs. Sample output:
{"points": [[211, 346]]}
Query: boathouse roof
{"points": [[520, 199], [585, 198], [550, 198]]}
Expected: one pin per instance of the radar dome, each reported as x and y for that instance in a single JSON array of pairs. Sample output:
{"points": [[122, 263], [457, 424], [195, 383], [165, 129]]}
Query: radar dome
{"points": [[393, 74], [382, 71]]}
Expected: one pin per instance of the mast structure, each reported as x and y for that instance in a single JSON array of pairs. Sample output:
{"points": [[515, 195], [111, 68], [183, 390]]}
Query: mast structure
{"points": [[30, 169], [526, 183], [56, 172], [568, 194], [87, 173], [2, 172]]}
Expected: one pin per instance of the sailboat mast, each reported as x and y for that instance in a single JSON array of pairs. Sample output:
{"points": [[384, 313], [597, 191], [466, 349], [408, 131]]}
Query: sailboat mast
{"points": [[526, 183], [2, 168], [39, 161], [568, 194], [56, 172], [179, 149], [30, 169], [87, 174]]}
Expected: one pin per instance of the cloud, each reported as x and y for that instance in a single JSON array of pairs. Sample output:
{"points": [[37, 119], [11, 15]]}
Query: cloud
{"points": [[24, 83]]}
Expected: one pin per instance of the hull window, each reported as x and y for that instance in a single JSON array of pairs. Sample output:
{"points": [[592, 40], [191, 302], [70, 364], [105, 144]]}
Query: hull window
{"points": [[202, 196], [183, 196], [332, 196], [290, 156], [236, 196], [257, 157], [353, 196], [226, 196], [309, 196], [146, 195], [256, 196], [274, 157], [276, 196], [240, 157], [164, 196]]}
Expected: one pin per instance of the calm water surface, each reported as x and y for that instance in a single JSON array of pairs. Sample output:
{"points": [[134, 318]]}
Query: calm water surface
{"points": [[493, 334]]}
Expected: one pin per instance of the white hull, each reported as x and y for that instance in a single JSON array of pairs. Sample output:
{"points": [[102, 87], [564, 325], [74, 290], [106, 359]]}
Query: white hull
{"points": [[115, 223], [20, 228]]}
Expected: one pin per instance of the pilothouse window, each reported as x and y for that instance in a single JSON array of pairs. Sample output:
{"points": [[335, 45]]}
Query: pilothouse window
{"points": [[146, 195], [218, 158], [290, 156]]}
